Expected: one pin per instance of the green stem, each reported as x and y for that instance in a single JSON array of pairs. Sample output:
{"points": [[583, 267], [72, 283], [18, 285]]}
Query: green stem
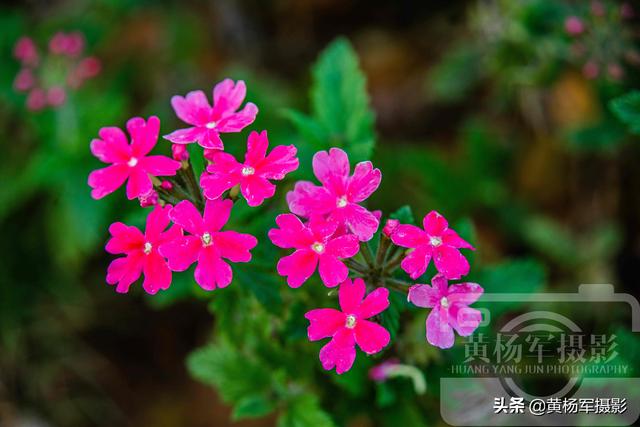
{"points": [[393, 263], [382, 249], [355, 266], [366, 254], [401, 283], [193, 184]]}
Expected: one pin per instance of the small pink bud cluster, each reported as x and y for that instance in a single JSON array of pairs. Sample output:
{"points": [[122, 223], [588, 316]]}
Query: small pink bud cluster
{"points": [[65, 50]]}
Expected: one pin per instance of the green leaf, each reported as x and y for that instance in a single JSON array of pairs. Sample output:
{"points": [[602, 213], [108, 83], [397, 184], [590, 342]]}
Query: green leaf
{"points": [[456, 74], [404, 215], [234, 375], [310, 129], [254, 406], [340, 102], [627, 110], [305, 411], [196, 158], [390, 318]]}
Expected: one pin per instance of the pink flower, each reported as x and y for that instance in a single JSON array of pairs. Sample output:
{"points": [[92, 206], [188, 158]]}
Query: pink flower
{"points": [[254, 174], [26, 52], [206, 244], [37, 99], [148, 199], [141, 253], [450, 309], [209, 122], [349, 326], [56, 96], [573, 26], [436, 241], [71, 44], [129, 161], [591, 70], [390, 227], [24, 80], [315, 244], [339, 195]]}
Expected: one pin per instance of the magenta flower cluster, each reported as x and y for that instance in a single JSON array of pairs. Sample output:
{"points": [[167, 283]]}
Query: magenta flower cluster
{"points": [[47, 77], [327, 229]]}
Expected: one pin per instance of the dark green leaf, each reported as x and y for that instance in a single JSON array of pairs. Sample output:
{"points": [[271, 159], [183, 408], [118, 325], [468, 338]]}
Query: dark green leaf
{"points": [[627, 109]]}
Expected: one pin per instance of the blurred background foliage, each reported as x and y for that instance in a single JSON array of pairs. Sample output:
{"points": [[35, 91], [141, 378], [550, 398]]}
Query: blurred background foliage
{"points": [[520, 130]]}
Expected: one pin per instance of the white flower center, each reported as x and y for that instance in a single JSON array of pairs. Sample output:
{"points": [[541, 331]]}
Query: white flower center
{"points": [[444, 302], [248, 170], [435, 241], [132, 162], [210, 125], [147, 248], [206, 239], [317, 247], [350, 322], [341, 202]]}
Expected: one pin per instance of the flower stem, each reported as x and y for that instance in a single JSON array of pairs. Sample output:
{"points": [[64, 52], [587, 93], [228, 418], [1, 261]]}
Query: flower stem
{"points": [[393, 263], [382, 249], [365, 250], [355, 266], [401, 283], [190, 179]]}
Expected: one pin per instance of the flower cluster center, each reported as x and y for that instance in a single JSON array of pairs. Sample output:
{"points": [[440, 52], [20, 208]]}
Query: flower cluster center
{"points": [[435, 241], [318, 247], [147, 248], [132, 162], [444, 302], [248, 170], [350, 322], [206, 239], [210, 125], [341, 202]]}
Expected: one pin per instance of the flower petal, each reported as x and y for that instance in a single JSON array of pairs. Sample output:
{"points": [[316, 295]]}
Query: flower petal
{"points": [[409, 236], [181, 252], [466, 293], [211, 139], [451, 238], [291, 234], [255, 189], [156, 273], [332, 169], [364, 182], [439, 332], [332, 270], [125, 239], [464, 319], [370, 336], [257, 145], [434, 223], [235, 246], [350, 295], [193, 109], [228, 96], [188, 217], [122, 272], [211, 271], [308, 199], [139, 183], [340, 352], [375, 303], [280, 161], [159, 165], [187, 135], [237, 121], [343, 247], [323, 323], [416, 263], [157, 221], [450, 262], [216, 214], [112, 146], [298, 266], [360, 221], [216, 183], [144, 135], [107, 180], [424, 296]]}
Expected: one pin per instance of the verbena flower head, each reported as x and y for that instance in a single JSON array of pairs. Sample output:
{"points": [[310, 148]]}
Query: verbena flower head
{"points": [[209, 122], [129, 162], [349, 326], [26, 52], [438, 242], [206, 244], [340, 194], [141, 252], [450, 309], [316, 246], [254, 174]]}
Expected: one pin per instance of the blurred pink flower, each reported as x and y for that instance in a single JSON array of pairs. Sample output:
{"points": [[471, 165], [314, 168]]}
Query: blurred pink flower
{"points": [[449, 309], [626, 11], [24, 80], [130, 162], [615, 71], [68, 44], [56, 96], [254, 174], [209, 122], [37, 99], [25, 51], [349, 326], [438, 242], [86, 69], [590, 70], [597, 8], [315, 244], [206, 244], [141, 252], [573, 25], [340, 194]]}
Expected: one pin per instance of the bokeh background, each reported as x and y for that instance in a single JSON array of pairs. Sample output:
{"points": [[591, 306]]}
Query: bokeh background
{"points": [[498, 114]]}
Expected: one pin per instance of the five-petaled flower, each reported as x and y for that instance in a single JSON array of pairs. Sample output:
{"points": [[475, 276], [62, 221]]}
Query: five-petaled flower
{"points": [[349, 326], [141, 251], [206, 244], [254, 174], [438, 242], [209, 122], [130, 162], [315, 244], [450, 309], [339, 195]]}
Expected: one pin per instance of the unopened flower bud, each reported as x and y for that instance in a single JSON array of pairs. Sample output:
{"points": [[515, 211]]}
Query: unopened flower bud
{"points": [[24, 81], [166, 185], [209, 153], [37, 99], [150, 198], [179, 152], [390, 226], [380, 372], [56, 96]]}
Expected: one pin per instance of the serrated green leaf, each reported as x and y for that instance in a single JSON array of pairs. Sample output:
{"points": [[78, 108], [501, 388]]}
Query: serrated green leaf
{"points": [[305, 411], [252, 407], [404, 215], [340, 103], [627, 110]]}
